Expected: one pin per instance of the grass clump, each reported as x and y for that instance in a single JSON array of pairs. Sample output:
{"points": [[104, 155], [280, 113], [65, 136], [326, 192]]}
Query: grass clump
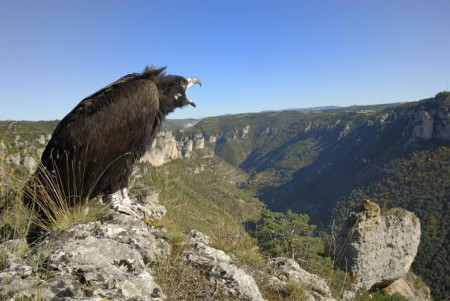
{"points": [[40, 203], [56, 203], [180, 281], [294, 291], [378, 296]]}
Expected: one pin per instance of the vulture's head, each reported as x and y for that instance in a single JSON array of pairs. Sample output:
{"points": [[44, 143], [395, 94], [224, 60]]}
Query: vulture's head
{"points": [[172, 91]]}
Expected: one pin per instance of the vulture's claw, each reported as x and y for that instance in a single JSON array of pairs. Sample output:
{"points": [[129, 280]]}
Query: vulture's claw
{"points": [[145, 211], [127, 210]]}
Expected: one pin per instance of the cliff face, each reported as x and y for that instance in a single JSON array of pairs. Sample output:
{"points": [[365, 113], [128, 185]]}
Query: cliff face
{"points": [[23, 152], [432, 120], [166, 147]]}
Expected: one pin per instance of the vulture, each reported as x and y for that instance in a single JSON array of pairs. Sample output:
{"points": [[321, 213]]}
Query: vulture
{"points": [[93, 148]]}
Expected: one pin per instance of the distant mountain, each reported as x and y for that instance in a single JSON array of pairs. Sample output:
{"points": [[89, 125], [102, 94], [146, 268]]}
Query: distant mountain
{"points": [[324, 108], [176, 124]]}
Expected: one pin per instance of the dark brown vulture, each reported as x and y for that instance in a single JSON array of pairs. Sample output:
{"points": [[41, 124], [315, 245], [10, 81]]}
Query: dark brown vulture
{"points": [[93, 149]]}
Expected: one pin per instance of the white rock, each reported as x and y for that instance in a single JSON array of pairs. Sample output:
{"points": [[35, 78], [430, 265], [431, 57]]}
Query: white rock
{"points": [[13, 159], [221, 269], [30, 164], [41, 139], [376, 249], [425, 125], [407, 287], [199, 141], [287, 270], [111, 259], [163, 149]]}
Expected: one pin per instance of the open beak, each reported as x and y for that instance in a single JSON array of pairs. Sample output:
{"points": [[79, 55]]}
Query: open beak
{"points": [[192, 81], [192, 103]]}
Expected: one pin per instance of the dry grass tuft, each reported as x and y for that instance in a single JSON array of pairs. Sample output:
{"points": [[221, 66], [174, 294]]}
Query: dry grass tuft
{"points": [[40, 203], [180, 281], [53, 207]]}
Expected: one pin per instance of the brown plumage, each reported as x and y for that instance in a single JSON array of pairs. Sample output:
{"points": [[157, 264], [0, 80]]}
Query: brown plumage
{"points": [[93, 149]]}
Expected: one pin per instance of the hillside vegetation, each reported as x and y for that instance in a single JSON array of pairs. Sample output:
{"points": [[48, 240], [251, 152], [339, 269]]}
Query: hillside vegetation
{"points": [[313, 162], [200, 193], [420, 183]]}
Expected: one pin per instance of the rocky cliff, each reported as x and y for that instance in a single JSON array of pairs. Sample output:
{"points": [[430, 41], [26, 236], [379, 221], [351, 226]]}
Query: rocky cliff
{"points": [[432, 119], [166, 147], [23, 152]]}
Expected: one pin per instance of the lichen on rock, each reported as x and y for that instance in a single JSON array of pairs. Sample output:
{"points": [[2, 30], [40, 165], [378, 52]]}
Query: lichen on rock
{"points": [[108, 259], [285, 270], [378, 249], [221, 269]]}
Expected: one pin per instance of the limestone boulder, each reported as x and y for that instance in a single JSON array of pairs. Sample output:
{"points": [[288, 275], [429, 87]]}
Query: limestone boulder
{"points": [[378, 249], [109, 259], [221, 269], [29, 163], [411, 287], [285, 270]]}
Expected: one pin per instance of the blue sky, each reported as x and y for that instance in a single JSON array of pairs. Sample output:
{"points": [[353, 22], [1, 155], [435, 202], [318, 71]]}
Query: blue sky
{"points": [[250, 55]]}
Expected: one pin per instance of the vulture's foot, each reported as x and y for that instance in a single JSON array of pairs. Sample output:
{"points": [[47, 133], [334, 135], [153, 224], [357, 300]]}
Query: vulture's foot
{"points": [[126, 206], [127, 210], [126, 201], [143, 210]]}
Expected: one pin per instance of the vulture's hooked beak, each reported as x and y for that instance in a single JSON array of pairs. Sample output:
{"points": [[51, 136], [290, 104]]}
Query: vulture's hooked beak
{"points": [[192, 81]]}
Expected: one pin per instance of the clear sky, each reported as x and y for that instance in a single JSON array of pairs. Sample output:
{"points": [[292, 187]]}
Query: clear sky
{"points": [[250, 55]]}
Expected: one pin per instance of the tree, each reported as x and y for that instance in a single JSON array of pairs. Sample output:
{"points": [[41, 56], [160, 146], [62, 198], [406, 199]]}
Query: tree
{"points": [[287, 234]]}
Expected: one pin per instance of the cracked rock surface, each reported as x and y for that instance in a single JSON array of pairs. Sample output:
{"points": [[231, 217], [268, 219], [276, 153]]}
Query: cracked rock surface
{"points": [[378, 249], [221, 269], [108, 259], [286, 270]]}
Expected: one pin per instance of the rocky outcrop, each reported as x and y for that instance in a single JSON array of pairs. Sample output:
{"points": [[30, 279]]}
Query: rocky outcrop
{"points": [[199, 141], [29, 163], [3, 149], [42, 140], [287, 270], [221, 269], [166, 147], [108, 259], [432, 121], [245, 131], [186, 146], [23, 152], [13, 159], [411, 287], [378, 249], [39, 152], [424, 126], [112, 259], [163, 149]]}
